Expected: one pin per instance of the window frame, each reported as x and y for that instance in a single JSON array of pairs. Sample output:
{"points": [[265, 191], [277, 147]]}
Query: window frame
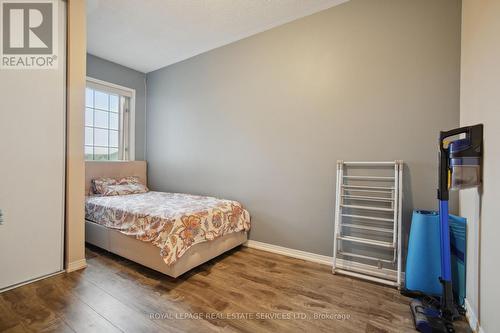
{"points": [[113, 88]]}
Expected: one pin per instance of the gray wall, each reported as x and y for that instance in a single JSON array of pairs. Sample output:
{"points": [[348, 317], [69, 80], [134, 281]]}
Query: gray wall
{"points": [[105, 70], [479, 104], [264, 120]]}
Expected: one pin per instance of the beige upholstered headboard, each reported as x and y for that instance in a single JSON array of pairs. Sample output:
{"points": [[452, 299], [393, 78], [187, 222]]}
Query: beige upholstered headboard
{"points": [[115, 169]]}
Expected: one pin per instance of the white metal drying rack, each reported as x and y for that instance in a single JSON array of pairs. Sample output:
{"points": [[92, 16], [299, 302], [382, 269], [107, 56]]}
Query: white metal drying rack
{"points": [[388, 210]]}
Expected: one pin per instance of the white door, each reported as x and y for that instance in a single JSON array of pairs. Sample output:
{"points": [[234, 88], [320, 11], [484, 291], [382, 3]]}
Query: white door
{"points": [[32, 165]]}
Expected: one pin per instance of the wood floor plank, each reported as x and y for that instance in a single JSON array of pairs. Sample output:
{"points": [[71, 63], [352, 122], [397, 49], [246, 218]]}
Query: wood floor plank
{"points": [[119, 314], [244, 290], [9, 320], [18, 328], [141, 293], [33, 315], [268, 297], [199, 297], [75, 313], [365, 294], [60, 327]]}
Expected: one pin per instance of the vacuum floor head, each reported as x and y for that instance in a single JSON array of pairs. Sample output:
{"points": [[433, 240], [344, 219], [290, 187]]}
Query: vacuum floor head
{"points": [[427, 318]]}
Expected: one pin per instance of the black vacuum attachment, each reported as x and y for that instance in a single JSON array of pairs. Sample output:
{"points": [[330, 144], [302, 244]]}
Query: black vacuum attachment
{"points": [[427, 317]]}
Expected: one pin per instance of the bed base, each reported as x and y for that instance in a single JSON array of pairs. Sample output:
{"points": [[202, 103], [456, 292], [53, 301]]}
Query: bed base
{"points": [[148, 255]]}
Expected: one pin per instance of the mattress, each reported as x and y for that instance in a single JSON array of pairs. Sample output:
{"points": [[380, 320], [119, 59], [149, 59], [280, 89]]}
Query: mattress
{"points": [[173, 222]]}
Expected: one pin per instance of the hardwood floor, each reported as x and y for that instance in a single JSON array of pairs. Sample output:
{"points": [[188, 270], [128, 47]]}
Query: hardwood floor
{"points": [[245, 290]]}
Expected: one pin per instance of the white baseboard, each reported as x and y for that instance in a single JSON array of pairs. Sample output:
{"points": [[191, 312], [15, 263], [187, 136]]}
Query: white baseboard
{"points": [[75, 265], [317, 258], [471, 316]]}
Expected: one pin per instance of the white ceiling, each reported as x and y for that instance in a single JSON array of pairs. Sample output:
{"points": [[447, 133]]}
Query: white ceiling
{"points": [[149, 34]]}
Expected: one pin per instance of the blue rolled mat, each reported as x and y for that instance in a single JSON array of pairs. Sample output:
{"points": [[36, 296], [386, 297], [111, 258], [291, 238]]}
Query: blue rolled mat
{"points": [[423, 264]]}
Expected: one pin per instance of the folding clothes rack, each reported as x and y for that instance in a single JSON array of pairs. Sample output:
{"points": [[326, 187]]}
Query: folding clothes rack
{"points": [[367, 233]]}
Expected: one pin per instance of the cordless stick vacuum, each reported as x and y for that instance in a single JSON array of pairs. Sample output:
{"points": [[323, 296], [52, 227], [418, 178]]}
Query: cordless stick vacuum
{"points": [[459, 168]]}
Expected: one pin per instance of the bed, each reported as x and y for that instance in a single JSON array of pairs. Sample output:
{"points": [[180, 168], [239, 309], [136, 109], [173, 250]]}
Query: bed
{"points": [[168, 232]]}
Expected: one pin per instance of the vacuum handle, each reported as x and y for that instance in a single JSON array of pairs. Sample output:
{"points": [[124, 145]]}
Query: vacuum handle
{"points": [[446, 134], [472, 133]]}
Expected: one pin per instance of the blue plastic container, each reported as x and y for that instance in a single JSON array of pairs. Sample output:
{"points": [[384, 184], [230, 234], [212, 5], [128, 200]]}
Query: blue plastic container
{"points": [[466, 171], [423, 264]]}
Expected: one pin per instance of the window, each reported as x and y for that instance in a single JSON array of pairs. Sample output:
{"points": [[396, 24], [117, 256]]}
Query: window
{"points": [[109, 121]]}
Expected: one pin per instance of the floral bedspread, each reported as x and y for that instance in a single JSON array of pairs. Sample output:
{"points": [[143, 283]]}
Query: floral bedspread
{"points": [[172, 221]]}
